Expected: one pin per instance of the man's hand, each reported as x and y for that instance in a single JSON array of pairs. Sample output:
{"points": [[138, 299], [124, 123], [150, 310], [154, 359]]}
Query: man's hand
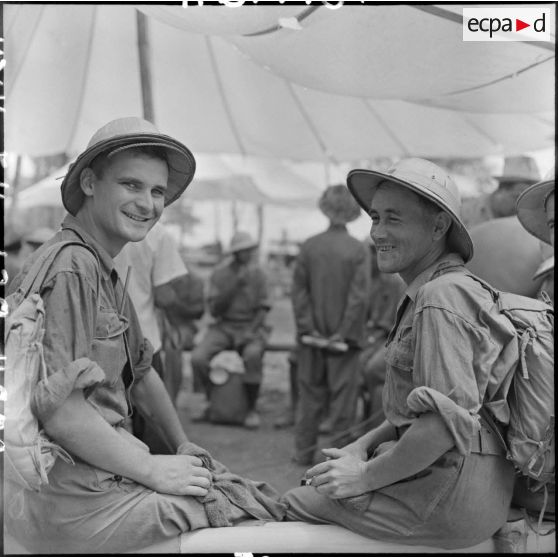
{"points": [[182, 475], [242, 276], [342, 476], [357, 450]]}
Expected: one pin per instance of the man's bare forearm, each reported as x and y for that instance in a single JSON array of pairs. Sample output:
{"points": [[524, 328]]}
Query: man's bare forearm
{"points": [[426, 440], [153, 401]]}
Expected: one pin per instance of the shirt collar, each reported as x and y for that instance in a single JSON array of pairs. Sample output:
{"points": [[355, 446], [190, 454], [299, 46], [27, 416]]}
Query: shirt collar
{"points": [[107, 263], [444, 262]]}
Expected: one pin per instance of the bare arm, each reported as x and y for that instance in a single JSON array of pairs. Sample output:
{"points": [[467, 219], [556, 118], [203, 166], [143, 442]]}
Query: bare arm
{"points": [[81, 430], [154, 403], [345, 474], [368, 442]]}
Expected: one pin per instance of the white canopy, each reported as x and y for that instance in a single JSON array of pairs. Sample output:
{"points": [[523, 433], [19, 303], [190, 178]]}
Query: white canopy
{"points": [[352, 84]]}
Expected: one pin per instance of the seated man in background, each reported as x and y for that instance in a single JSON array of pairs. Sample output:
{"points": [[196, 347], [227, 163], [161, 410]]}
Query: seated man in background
{"points": [[431, 473], [238, 301], [107, 493]]}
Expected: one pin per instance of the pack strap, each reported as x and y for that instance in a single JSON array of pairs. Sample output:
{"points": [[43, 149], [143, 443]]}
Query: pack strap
{"points": [[543, 448], [35, 277], [487, 417]]}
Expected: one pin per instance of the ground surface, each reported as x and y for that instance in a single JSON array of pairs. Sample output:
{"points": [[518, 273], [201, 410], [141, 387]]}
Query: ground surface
{"points": [[263, 454]]}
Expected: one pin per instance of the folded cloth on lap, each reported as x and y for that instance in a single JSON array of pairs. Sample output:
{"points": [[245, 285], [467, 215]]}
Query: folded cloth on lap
{"points": [[258, 499]]}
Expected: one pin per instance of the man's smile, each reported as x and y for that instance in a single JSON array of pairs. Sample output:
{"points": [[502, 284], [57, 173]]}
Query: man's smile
{"points": [[135, 217]]}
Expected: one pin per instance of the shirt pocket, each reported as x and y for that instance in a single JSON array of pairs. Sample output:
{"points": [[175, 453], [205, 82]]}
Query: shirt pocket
{"points": [[108, 349], [400, 351]]}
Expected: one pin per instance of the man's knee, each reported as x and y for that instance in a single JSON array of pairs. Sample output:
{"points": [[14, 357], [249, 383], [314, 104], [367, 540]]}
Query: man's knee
{"points": [[253, 355], [199, 359], [305, 504]]}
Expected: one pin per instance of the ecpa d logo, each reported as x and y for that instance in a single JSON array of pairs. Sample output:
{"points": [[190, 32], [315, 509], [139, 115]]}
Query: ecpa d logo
{"points": [[508, 24]]}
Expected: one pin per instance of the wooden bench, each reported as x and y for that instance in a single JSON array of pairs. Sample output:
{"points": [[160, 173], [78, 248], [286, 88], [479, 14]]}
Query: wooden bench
{"points": [[295, 537]]}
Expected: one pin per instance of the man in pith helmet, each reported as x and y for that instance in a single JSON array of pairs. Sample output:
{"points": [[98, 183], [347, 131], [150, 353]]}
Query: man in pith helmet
{"points": [[518, 173], [110, 494], [238, 301], [431, 473]]}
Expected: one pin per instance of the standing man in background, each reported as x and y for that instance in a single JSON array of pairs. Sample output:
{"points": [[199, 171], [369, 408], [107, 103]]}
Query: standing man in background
{"points": [[519, 172], [330, 293]]}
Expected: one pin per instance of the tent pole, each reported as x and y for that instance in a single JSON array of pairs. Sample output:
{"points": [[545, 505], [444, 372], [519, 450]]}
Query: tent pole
{"points": [[145, 68], [260, 214]]}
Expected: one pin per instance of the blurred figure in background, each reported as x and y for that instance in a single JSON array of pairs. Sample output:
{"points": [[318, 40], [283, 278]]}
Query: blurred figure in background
{"points": [[385, 291], [156, 273], [238, 301], [35, 239], [330, 300], [13, 243], [535, 211], [519, 172]]}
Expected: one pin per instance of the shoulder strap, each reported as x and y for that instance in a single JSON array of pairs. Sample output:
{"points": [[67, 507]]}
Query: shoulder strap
{"points": [[37, 273], [491, 423]]}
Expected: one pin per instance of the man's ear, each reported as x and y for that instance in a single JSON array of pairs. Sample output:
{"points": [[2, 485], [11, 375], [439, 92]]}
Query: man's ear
{"points": [[442, 223], [86, 181]]}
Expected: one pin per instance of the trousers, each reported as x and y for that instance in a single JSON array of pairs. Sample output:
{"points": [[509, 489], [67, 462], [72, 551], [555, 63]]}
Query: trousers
{"points": [[323, 377], [458, 501], [222, 337]]}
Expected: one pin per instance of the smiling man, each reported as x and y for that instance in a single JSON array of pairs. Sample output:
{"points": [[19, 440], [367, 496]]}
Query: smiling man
{"points": [[113, 495], [432, 473]]}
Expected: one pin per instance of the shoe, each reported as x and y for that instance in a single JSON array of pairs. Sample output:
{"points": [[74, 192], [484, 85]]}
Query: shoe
{"points": [[285, 421], [203, 417], [252, 420]]}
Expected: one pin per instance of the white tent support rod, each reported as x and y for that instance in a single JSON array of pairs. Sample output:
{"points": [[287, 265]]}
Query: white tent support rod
{"points": [[300, 17], [498, 80], [142, 26], [221, 88], [309, 122], [386, 128], [9, 84], [85, 76]]}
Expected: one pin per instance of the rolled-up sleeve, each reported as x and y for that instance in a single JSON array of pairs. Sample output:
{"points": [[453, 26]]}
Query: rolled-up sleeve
{"points": [[451, 365]]}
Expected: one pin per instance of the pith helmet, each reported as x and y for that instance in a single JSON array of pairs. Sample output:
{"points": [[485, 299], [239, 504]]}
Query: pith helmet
{"points": [[241, 241], [124, 133], [337, 204], [531, 207], [519, 168], [425, 179]]}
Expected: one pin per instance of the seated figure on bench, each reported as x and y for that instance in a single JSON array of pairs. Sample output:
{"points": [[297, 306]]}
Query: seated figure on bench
{"points": [[432, 473], [238, 301], [106, 493]]}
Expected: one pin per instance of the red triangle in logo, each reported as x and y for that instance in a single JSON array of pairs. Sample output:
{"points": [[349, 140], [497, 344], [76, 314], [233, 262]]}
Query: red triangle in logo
{"points": [[519, 25]]}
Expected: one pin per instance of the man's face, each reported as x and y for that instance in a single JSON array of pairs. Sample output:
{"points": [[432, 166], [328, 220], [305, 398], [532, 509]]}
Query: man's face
{"points": [[549, 209], [402, 231], [505, 197], [127, 199]]}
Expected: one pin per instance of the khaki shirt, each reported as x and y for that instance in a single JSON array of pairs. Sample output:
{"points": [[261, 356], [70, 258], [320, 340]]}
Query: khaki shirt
{"points": [[447, 353], [82, 320]]}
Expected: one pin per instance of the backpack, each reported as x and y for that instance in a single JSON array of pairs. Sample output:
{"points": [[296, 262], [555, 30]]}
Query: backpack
{"points": [[529, 437], [29, 453]]}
